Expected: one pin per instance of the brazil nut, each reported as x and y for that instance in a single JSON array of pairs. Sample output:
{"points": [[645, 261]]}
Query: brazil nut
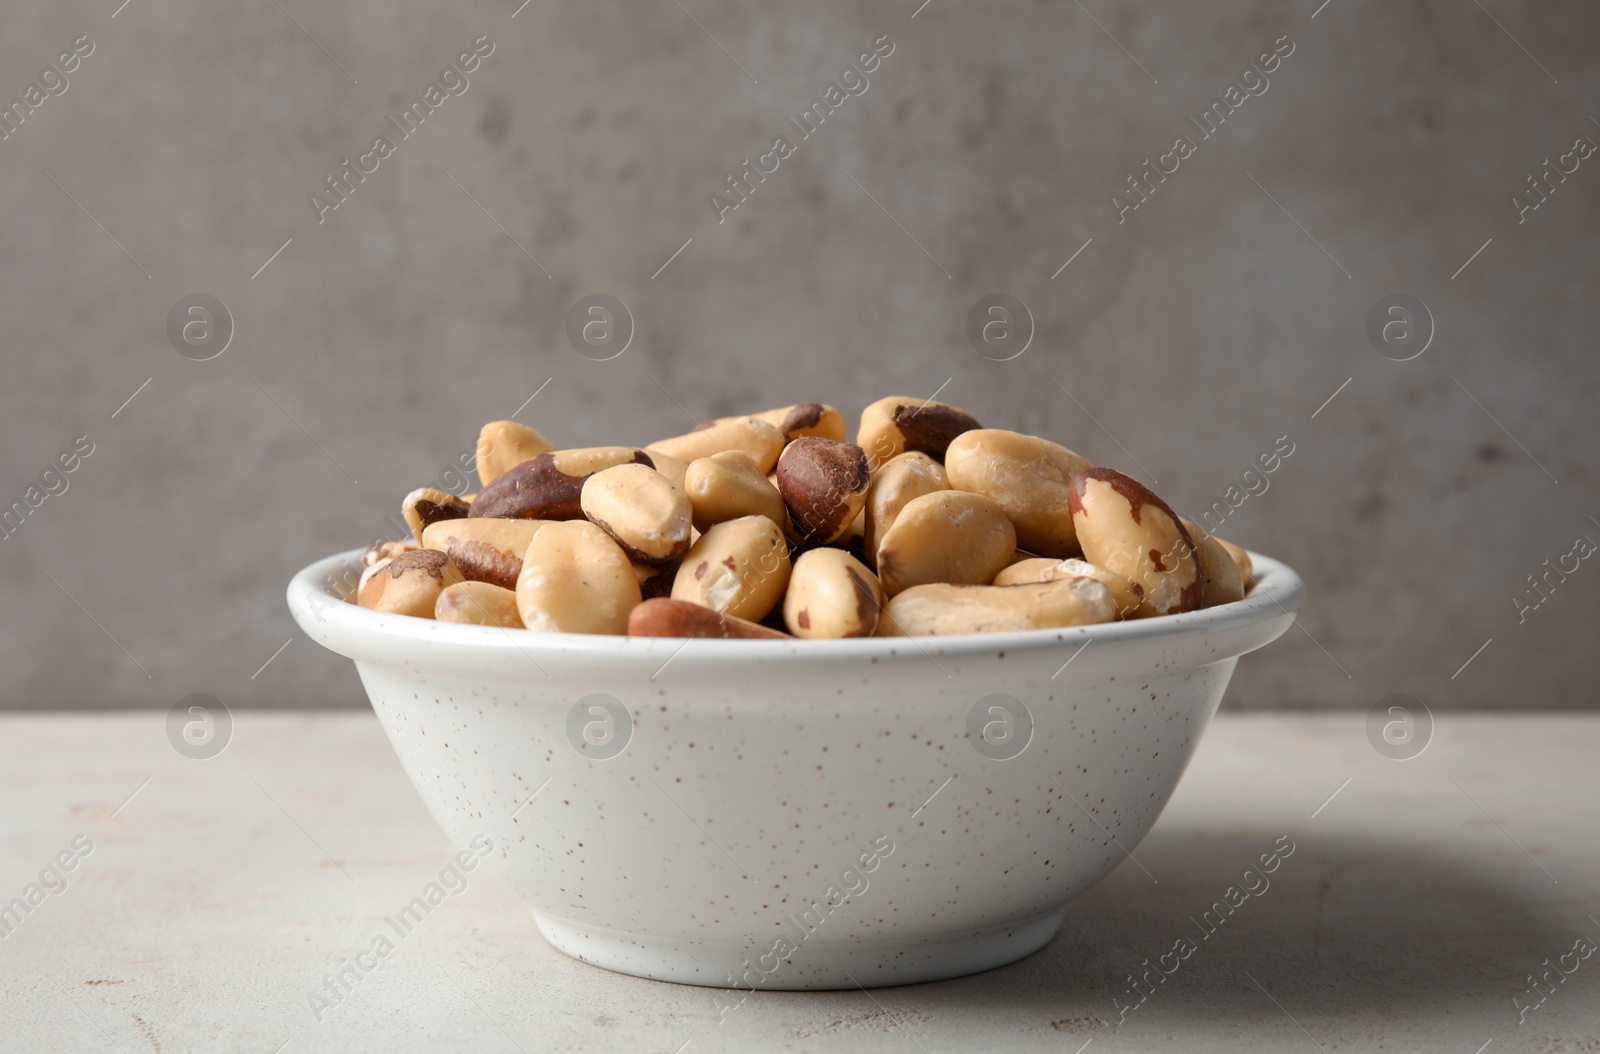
{"points": [[806, 419], [831, 595], [760, 439], [1238, 553], [478, 604], [1026, 569], [1123, 527], [946, 536], [739, 567], [1127, 593], [503, 445], [943, 609], [410, 584], [824, 485], [665, 617], [727, 485], [894, 425], [575, 579], [642, 511], [896, 483], [1223, 582], [426, 505], [1027, 476], [486, 549], [550, 486]]}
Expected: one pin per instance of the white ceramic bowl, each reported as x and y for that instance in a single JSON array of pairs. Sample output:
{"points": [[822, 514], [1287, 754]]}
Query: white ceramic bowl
{"points": [[796, 814]]}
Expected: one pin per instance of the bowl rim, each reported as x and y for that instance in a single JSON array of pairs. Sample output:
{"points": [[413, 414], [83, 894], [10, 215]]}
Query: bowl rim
{"points": [[1278, 593]]}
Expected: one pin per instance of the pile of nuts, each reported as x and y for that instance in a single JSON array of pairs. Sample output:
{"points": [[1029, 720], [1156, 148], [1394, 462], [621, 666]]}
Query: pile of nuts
{"points": [[774, 526]]}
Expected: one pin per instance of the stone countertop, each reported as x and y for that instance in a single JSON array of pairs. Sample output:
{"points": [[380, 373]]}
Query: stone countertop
{"points": [[207, 900]]}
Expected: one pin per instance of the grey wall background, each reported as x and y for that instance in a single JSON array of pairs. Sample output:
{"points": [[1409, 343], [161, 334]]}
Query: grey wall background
{"points": [[1219, 316]]}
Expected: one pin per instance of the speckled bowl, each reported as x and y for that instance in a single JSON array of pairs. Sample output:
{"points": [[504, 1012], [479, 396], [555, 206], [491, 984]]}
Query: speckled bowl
{"points": [[805, 814]]}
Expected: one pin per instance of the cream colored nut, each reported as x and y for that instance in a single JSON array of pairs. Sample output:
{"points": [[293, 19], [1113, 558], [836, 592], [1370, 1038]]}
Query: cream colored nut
{"points": [[1125, 528], [806, 419], [665, 617], [1128, 594], [831, 595], [576, 580], [425, 506], [739, 567], [503, 445], [670, 467], [947, 536], [730, 484], [942, 609], [1028, 569], [642, 510], [550, 486], [410, 584], [891, 426], [1027, 476], [1238, 553], [486, 549], [1223, 582], [897, 482], [754, 436], [824, 485], [478, 604]]}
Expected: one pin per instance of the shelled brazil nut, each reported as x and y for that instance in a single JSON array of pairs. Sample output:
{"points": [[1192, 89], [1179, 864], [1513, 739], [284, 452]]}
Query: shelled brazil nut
{"points": [[772, 526]]}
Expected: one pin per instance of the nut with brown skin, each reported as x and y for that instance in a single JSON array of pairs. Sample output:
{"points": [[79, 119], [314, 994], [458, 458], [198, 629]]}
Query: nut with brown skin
{"points": [[478, 604], [899, 423], [730, 484], [896, 483], [1123, 527], [503, 445], [576, 580], [550, 486], [1029, 477], [1223, 583], [486, 549], [665, 617], [656, 580], [946, 536], [831, 595], [806, 419], [642, 511], [384, 550], [410, 584], [761, 440], [739, 567], [824, 485], [425, 506], [942, 609]]}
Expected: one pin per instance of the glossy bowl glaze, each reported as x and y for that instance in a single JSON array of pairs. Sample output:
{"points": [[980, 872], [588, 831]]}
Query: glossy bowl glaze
{"points": [[796, 814]]}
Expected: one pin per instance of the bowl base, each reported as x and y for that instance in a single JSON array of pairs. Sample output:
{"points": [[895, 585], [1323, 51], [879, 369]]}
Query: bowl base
{"points": [[812, 965]]}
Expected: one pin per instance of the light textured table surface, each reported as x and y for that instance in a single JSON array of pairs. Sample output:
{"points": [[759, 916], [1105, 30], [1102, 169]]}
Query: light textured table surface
{"points": [[211, 905]]}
